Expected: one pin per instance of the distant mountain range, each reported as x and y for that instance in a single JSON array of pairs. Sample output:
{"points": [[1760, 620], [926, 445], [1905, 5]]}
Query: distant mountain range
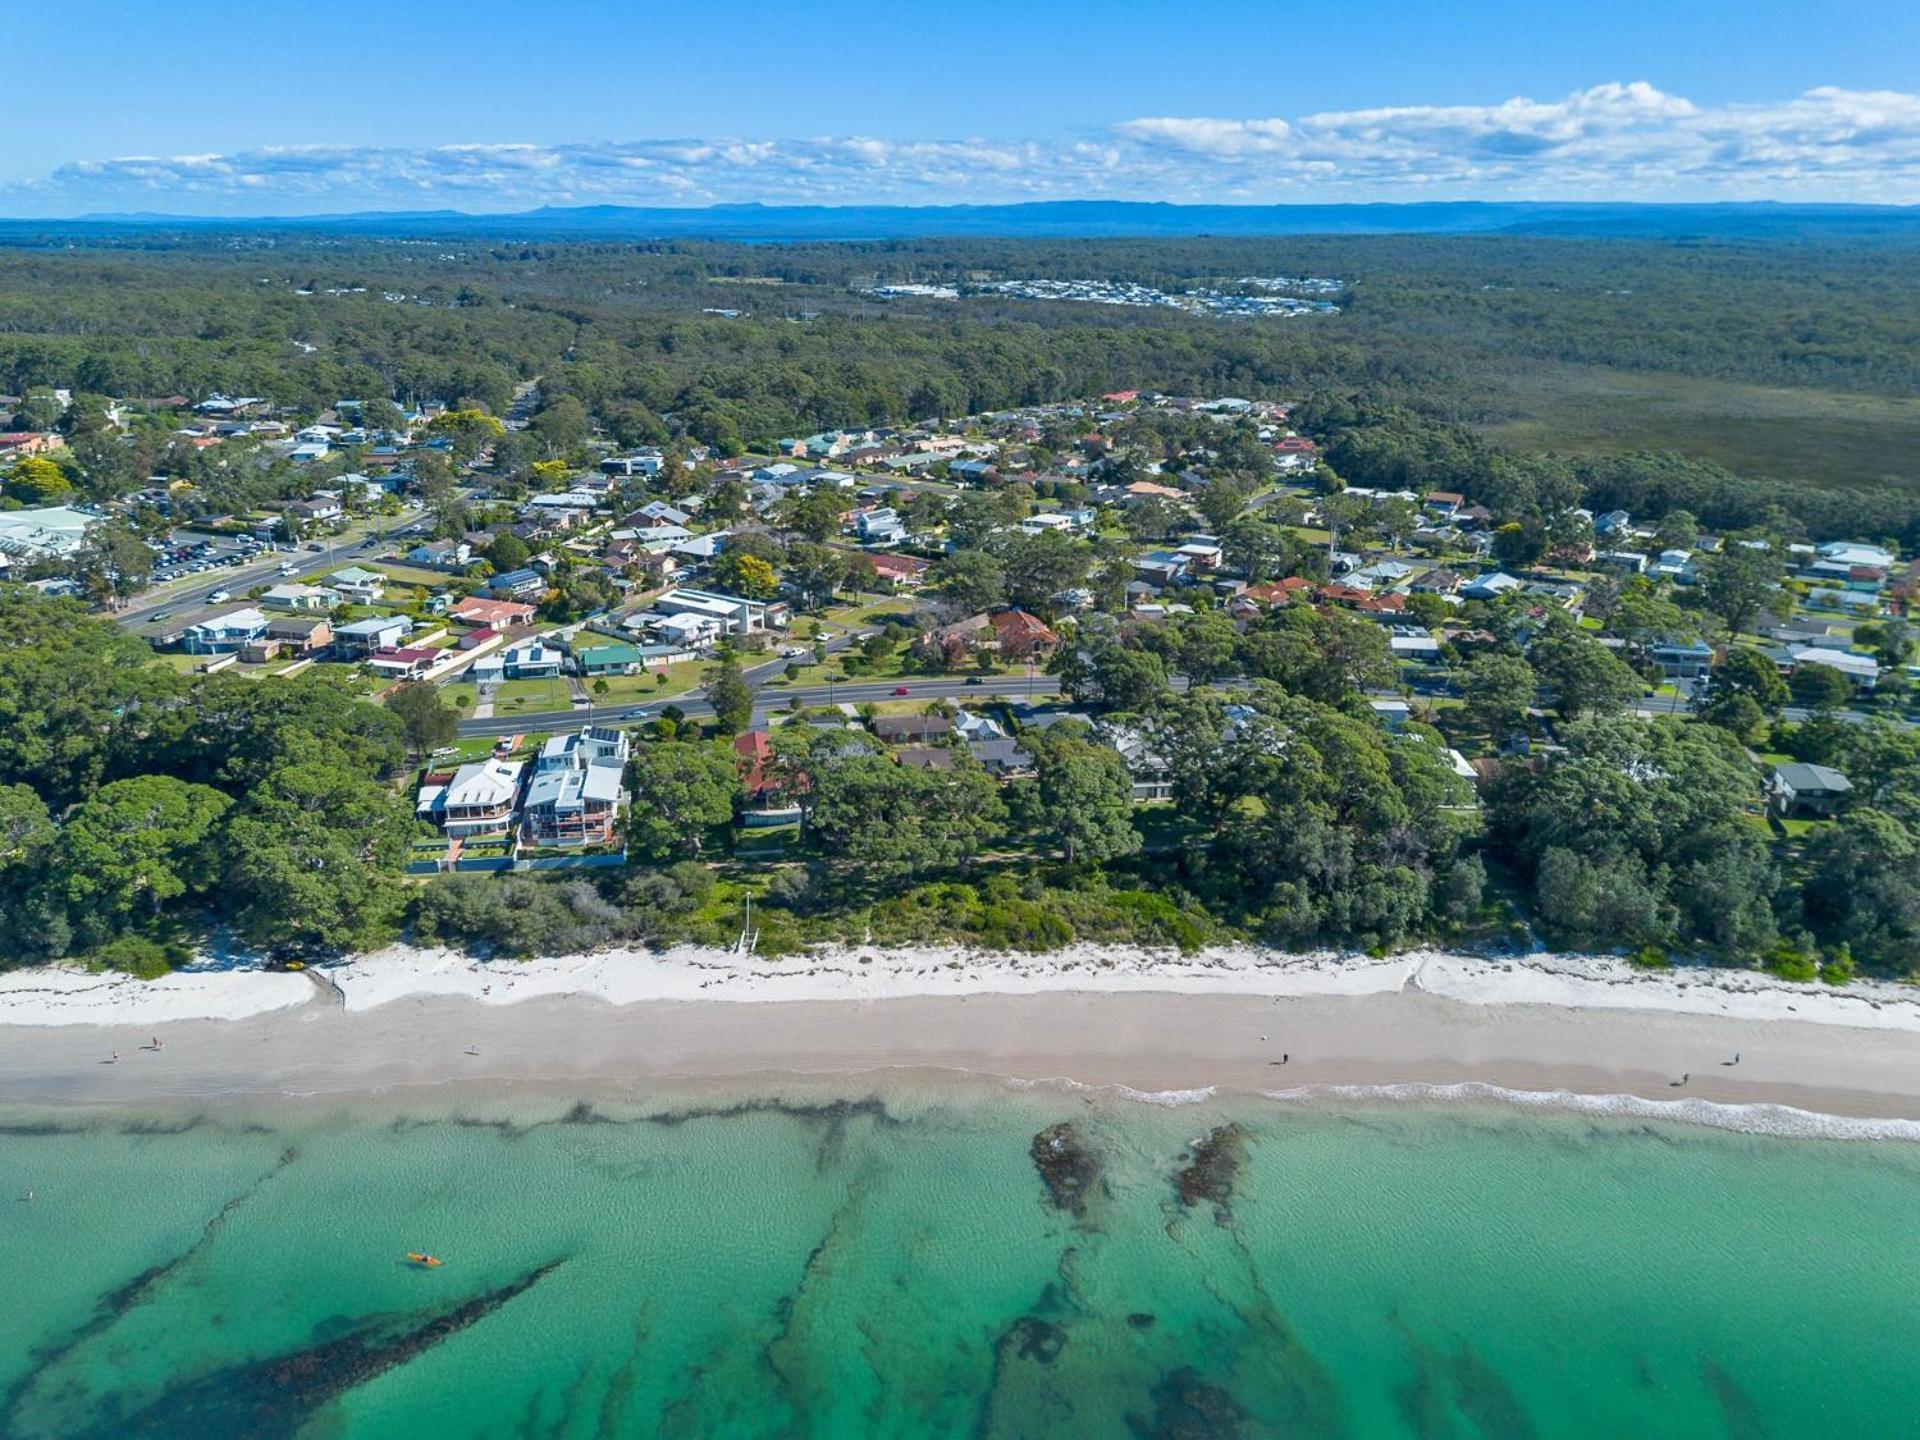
{"points": [[1058, 219]]}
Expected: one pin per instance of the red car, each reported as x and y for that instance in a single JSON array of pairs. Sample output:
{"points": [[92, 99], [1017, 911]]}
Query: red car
{"points": [[901, 690]]}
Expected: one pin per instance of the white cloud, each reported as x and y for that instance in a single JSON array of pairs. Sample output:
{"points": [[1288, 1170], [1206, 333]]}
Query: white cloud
{"points": [[1610, 141]]}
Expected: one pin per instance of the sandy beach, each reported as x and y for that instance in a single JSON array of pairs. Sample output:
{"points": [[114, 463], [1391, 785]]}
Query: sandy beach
{"points": [[1562, 1030]]}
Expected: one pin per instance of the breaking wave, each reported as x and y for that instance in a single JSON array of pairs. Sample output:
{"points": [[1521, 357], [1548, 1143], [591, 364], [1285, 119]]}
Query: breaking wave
{"points": [[1751, 1119]]}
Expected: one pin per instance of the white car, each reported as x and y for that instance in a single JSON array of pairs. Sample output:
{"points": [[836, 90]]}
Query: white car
{"points": [[794, 652], [218, 597]]}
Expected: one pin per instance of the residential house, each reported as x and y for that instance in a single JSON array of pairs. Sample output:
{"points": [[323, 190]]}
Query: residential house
{"points": [[900, 729], [224, 634], [494, 615], [1862, 670], [298, 597], [1022, 635], [612, 658], [970, 727], [736, 616], [441, 554], [907, 571], [521, 584], [304, 635], [882, 526], [1489, 587], [475, 799], [576, 794], [358, 584], [1797, 789], [1295, 452], [1682, 659], [532, 660], [1445, 503], [362, 638], [1439, 581], [320, 510], [925, 757], [1202, 552], [1152, 777], [1004, 759], [404, 663]]}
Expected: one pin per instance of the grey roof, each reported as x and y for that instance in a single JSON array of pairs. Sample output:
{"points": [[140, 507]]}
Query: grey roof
{"points": [[1805, 778]]}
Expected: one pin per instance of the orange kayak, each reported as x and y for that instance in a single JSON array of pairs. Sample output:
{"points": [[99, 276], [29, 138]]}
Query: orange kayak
{"points": [[425, 1262]]}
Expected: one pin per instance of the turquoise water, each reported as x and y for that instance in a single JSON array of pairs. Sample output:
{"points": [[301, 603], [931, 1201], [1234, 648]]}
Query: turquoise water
{"points": [[900, 1268]]}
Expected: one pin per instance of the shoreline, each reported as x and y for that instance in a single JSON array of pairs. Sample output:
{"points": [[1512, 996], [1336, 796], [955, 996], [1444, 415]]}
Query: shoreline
{"points": [[457, 1056], [443, 1031]]}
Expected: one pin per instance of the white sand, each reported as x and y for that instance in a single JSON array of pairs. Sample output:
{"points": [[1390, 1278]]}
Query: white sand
{"points": [[57, 996]]}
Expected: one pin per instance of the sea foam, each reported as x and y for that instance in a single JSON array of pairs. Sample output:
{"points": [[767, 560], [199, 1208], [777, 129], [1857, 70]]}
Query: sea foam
{"points": [[1753, 1119]]}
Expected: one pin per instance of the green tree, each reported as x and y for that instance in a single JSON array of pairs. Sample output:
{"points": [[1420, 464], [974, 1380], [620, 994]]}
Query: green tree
{"points": [[1038, 567], [113, 562], [1259, 550], [1821, 687], [133, 846], [1110, 674], [1324, 655], [1584, 676], [1499, 691], [969, 581], [739, 573], [731, 697], [1222, 501], [815, 572], [313, 857], [507, 551], [1739, 582], [561, 426], [1864, 887], [428, 721], [1084, 800], [900, 820], [36, 480], [680, 793]]}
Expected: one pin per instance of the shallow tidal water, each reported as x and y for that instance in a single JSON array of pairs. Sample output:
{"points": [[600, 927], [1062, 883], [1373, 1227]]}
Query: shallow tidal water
{"points": [[901, 1267]]}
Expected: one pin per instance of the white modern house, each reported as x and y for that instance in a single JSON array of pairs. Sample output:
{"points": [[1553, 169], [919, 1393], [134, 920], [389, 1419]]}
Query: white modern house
{"points": [[576, 792], [477, 798]]}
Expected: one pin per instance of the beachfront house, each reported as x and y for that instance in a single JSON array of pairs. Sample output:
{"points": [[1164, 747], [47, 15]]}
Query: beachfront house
{"points": [[576, 795], [475, 799]]}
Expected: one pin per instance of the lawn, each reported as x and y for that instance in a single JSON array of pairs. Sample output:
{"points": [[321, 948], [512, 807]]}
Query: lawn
{"points": [[681, 677]]}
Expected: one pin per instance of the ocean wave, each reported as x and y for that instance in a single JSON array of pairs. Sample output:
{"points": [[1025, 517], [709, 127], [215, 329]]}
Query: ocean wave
{"points": [[1751, 1119], [1125, 1092]]}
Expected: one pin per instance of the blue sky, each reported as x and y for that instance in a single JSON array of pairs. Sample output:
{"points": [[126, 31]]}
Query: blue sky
{"points": [[197, 107]]}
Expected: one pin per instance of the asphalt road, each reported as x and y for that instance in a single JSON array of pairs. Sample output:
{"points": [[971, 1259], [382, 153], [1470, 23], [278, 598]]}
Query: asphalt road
{"points": [[184, 601]]}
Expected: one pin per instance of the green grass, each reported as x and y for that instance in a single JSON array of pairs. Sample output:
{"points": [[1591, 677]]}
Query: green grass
{"points": [[1812, 437]]}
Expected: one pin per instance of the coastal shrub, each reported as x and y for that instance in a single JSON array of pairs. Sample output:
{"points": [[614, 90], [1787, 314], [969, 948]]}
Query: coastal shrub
{"points": [[140, 956], [1650, 957], [1788, 963], [1151, 917], [1837, 968], [515, 915]]}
